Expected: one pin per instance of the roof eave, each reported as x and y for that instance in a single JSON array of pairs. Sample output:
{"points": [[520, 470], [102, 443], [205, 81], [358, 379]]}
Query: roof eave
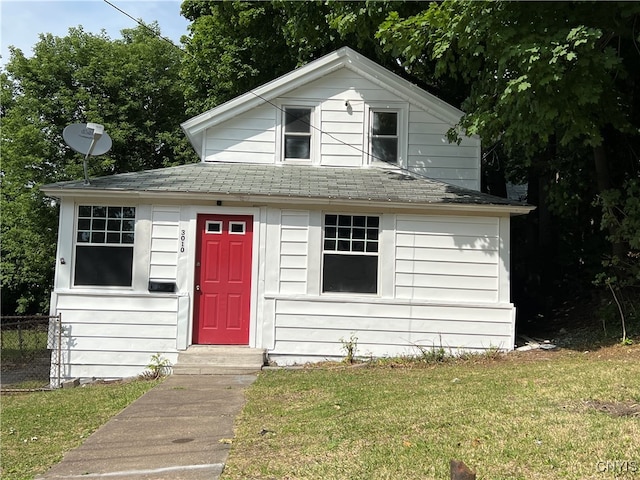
{"points": [[268, 91], [453, 207]]}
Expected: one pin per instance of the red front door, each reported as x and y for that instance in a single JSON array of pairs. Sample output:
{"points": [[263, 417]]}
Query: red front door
{"points": [[222, 298]]}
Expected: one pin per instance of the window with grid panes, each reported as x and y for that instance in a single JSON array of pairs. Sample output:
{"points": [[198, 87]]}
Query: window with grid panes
{"points": [[350, 253], [104, 246]]}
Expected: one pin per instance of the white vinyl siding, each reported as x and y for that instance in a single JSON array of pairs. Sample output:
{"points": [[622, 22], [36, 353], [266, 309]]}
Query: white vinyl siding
{"points": [[446, 277], [431, 154], [343, 84], [447, 258], [341, 126], [249, 137], [294, 241], [164, 243], [443, 282], [341, 101], [342, 96], [304, 327], [114, 336]]}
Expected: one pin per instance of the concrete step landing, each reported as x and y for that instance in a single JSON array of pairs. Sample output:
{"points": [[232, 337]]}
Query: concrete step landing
{"points": [[219, 360]]}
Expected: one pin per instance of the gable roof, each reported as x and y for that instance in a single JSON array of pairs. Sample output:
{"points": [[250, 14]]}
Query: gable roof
{"points": [[301, 185], [342, 58]]}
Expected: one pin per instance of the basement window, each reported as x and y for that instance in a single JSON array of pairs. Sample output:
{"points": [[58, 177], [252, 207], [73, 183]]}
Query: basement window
{"points": [[104, 246]]}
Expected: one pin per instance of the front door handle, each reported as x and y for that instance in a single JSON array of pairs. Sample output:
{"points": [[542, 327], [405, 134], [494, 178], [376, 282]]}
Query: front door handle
{"points": [[197, 288]]}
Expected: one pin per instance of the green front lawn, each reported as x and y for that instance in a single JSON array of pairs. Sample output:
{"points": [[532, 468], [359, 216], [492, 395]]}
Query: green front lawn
{"points": [[540, 415], [543, 415], [39, 427]]}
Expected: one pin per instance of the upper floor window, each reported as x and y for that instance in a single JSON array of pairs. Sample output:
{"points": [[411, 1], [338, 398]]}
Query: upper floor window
{"points": [[384, 136], [297, 133], [104, 245]]}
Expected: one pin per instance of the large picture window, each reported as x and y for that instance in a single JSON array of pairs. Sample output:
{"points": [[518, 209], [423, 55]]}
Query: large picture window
{"points": [[297, 133], [350, 253], [104, 246]]}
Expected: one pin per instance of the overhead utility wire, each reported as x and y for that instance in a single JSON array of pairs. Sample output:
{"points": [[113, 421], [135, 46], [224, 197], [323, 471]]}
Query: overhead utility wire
{"points": [[358, 149], [277, 107], [142, 24]]}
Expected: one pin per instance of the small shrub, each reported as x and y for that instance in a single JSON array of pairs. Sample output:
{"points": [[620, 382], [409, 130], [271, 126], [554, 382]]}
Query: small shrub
{"points": [[432, 354], [158, 367], [350, 347], [492, 353]]}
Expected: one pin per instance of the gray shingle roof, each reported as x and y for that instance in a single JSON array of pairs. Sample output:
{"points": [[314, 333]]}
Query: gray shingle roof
{"points": [[289, 181]]}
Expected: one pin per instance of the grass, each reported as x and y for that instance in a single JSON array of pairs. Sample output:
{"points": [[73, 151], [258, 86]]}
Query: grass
{"points": [[540, 415], [22, 346], [39, 427]]}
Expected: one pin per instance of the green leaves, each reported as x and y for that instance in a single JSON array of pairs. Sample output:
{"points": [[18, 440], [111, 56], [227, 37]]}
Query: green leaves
{"points": [[231, 50], [622, 215], [548, 83], [130, 85], [548, 65], [237, 46]]}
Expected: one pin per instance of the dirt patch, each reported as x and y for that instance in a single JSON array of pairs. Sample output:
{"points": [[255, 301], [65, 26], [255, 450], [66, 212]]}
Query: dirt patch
{"points": [[615, 409], [610, 352]]}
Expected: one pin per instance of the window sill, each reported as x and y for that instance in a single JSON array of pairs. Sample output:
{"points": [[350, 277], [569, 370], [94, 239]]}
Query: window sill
{"points": [[297, 161], [114, 292], [377, 299]]}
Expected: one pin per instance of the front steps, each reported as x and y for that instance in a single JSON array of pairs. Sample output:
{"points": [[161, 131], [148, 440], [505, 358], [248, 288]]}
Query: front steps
{"points": [[219, 360]]}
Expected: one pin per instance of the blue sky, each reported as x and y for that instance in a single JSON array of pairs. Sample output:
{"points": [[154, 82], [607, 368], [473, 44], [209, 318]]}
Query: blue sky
{"points": [[21, 21]]}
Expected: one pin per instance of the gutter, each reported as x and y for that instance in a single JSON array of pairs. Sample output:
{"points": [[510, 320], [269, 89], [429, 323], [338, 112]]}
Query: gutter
{"points": [[281, 199]]}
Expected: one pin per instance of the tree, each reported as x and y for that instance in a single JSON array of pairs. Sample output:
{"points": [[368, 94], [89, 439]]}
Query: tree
{"points": [[130, 85], [235, 46], [28, 228], [555, 85]]}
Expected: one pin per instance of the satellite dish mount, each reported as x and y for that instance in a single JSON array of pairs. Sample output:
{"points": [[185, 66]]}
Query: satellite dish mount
{"points": [[88, 139]]}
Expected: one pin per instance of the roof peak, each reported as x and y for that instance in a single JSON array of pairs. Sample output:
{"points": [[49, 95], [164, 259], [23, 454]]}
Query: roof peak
{"points": [[344, 57]]}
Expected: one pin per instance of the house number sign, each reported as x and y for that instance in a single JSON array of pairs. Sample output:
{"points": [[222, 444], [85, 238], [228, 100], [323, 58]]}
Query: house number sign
{"points": [[183, 237]]}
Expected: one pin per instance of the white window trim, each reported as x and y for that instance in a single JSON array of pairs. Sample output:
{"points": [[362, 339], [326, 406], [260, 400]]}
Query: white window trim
{"points": [[402, 109], [243, 224], [377, 254], [136, 234], [314, 156], [213, 222]]}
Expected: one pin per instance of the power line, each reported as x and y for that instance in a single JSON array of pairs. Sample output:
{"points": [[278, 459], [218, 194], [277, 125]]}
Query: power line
{"points": [[142, 24], [277, 107], [357, 148]]}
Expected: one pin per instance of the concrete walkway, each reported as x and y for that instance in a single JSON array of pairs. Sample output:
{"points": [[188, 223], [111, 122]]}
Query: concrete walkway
{"points": [[178, 430]]}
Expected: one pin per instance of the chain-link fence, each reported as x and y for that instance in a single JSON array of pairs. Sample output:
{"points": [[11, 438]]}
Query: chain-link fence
{"points": [[30, 355]]}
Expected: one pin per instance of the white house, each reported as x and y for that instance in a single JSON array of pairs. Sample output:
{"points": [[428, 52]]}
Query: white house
{"points": [[328, 204]]}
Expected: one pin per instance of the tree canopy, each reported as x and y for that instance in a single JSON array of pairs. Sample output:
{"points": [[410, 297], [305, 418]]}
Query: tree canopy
{"points": [[552, 88], [236, 46], [555, 87], [130, 85]]}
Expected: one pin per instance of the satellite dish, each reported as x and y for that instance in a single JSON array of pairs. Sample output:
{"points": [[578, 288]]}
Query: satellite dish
{"points": [[88, 139]]}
